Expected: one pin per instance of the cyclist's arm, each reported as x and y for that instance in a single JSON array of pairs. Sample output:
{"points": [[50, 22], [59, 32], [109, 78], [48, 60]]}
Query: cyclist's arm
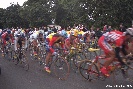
{"points": [[124, 50], [3, 35], [117, 50], [66, 44]]}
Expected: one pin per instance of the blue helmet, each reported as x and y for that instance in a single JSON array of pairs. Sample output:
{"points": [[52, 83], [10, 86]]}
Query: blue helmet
{"points": [[64, 34], [9, 31]]}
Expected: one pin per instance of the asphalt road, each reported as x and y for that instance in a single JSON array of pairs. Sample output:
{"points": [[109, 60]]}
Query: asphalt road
{"points": [[15, 77]]}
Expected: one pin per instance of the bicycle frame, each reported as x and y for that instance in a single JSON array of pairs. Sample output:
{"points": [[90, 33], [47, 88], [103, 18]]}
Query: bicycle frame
{"points": [[115, 63]]}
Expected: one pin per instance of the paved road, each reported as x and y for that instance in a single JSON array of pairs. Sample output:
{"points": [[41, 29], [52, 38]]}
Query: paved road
{"points": [[15, 77]]}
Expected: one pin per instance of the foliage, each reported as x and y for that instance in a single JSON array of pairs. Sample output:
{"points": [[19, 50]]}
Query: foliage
{"points": [[68, 12]]}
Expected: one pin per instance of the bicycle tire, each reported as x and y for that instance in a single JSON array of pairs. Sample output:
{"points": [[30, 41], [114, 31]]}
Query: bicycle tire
{"points": [[25, 62], [88, 74], [61, 68], [8, 52], [32, 57], [77, 59], [129, 63], [15, 57], [92, 55], [128, 73]]}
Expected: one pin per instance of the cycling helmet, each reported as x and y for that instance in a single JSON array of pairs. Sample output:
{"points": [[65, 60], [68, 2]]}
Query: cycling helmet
{"points": [[74, 32], [129, 31], [18, 35], [4, 30], [63, 33], [40, 32], [9, 31]]}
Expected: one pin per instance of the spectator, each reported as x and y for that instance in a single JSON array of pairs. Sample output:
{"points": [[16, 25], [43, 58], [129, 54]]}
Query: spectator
{"points": [[92, 30], [68, 28], [84, 29], [54, 29], [105, 28], [45, 29], [81, 28], [109, 29], [74, 26], [122, 28], [98, 33]]}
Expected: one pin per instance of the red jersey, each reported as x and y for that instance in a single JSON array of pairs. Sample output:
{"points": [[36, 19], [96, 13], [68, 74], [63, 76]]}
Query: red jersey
{"points": [[4, 36], [53, 40], [115, 37], [67, 41]]}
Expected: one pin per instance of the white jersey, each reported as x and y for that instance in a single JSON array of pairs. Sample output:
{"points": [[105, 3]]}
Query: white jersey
{"points": [[34, 35]]}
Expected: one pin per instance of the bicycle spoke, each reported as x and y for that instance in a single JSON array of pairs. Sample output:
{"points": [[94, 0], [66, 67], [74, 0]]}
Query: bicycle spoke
{"points": [[25, 62], [88, 70], [128, 74], [61, 68]]}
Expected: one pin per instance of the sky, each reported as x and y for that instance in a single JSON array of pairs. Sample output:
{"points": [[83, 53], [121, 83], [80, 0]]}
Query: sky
{"points": [[6, 3]]}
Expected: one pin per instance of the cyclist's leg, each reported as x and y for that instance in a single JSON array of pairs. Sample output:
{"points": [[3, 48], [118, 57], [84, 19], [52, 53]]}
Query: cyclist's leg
{"points": [[26, 42], [47, 62], [35, 46], [106, 47], [15, 43], [48, 56], [3, 46]]}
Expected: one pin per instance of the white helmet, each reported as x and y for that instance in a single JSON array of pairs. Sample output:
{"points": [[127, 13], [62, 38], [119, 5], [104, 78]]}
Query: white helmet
{"points": [[130, 31]]}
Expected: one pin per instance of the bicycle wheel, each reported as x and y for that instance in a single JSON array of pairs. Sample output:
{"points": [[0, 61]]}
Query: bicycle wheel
{"points": [[41, 54], [7, 50], [24, 61], [77, 59], [128, 73], [9, 54], [92, 55], [129, 62], [88, 70], [31, 53], [61, 68], [15, 57]]}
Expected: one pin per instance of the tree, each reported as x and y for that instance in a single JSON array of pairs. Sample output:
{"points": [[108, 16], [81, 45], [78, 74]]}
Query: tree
{"points": [[35, 13]]}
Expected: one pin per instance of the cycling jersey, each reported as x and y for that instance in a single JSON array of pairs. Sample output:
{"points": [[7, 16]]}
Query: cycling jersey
{"points": [[49, 37], [52, 41], [115, 37], [5, 37], [67, 41]]}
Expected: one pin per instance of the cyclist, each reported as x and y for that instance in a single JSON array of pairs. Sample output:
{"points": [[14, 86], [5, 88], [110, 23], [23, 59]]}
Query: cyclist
{"points": [[41, 37], [34, 40], [56, 41], [130, 47], [119, 39], [6, 36], [71, 40], [86, 37], [20, 39]]}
